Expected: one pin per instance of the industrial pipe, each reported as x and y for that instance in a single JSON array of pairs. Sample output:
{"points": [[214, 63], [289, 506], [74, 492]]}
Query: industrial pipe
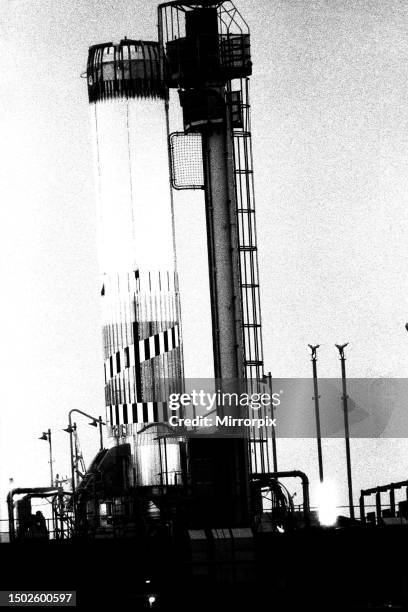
{"points": [[377, 492], [38, 492], [264, 478]]}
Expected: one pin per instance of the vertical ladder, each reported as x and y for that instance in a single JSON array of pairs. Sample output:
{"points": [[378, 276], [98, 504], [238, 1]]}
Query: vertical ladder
{"points": [[239, 106]]}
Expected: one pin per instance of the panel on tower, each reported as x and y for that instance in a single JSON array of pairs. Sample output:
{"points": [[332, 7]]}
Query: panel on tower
{"points": [[186, 160]]}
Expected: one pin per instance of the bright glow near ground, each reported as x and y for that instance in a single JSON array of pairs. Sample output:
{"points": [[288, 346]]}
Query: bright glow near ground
{"points": [[326, 501]]}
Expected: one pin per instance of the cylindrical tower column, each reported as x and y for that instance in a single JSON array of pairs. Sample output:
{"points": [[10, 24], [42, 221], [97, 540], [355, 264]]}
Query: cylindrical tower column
{"points": [[195, 62], [223, 255], [141, 329]]}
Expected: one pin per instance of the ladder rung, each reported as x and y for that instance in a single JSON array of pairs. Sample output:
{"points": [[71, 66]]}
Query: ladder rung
{"points": [[249, 286], [248, 248]]}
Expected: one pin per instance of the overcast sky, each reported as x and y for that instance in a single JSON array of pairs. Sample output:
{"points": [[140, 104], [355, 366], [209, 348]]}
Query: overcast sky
{"points": [[330, 133]]}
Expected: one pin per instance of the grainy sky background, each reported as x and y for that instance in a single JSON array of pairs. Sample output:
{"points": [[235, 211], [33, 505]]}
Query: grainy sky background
{"points": [[330, 127]]}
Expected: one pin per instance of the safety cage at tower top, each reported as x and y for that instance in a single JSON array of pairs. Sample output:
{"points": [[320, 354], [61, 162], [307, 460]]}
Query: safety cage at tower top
{"points": [[204, 43], [129, 69]]}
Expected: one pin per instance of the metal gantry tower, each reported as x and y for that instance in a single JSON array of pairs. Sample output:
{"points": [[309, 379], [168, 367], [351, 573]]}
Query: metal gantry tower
{"points": [[206, 57]]}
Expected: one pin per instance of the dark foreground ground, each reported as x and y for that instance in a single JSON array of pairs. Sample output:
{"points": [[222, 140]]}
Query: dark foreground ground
{"points": [[354, 569]]}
